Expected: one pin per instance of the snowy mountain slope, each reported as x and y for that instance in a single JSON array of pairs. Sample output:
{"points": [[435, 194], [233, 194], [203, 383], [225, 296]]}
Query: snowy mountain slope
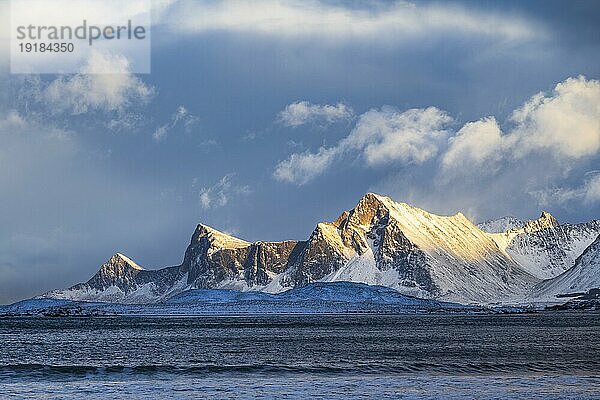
{"points": [[435, 256], [545, 248], [500, 225], [582, 277]]}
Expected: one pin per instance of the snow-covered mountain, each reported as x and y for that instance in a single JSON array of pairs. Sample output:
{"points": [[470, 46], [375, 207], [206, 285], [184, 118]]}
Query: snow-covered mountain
{"points": [[122, 280], [582, 277], [382, 242], [544, 247], [378, 242]]}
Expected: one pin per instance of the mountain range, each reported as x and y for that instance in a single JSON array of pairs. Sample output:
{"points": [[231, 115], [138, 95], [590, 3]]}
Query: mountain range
{"points": [[378, 242]]}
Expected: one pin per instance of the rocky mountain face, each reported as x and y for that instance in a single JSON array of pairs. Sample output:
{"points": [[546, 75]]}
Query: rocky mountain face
{"points": [[378, 242]]}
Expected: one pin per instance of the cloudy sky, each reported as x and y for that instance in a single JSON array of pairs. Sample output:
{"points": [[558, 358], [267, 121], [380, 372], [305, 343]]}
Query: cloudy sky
{"points": [[263, 118]]}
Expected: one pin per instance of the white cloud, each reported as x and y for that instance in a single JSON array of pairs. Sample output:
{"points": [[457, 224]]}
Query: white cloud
{"points": [[395, 22], [222, 192], [12, 121], [303, 112], [300, 168], [380, 136], [476, 144], [387, 135], [565, 122], [180, 116], [564, 125], [92, 89]]}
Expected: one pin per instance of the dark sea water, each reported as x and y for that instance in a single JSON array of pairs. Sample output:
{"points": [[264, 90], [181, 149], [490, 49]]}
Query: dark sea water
{"points": [[548, 355]]}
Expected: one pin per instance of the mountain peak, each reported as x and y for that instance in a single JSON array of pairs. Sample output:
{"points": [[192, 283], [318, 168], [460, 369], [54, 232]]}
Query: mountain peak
{"points": [[369, 206], [122, 259], [545, 221], [374, 205], [119, 270], [217, 238], [371, 198], [547, 215], [371, 195]]}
